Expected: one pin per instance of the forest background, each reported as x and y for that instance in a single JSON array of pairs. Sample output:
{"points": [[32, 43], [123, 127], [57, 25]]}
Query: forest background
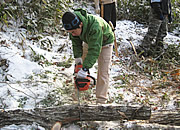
{"points": [[29, 29]]}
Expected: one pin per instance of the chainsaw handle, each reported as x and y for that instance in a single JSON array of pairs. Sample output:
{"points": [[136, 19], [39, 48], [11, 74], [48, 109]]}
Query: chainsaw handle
{"points": [[94, 80]]}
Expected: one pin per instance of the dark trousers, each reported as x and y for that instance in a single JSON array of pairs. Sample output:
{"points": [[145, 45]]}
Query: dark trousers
{"points": [[157, 30], [110, 13]]}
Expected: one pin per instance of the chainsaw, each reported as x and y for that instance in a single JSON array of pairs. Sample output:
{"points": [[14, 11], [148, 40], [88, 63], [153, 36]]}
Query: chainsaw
{"points": [[83, 84]]}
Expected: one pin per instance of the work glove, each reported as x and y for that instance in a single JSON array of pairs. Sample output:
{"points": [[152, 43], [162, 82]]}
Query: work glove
{"points": [[78, 65], [157, 10], [82, 73]]}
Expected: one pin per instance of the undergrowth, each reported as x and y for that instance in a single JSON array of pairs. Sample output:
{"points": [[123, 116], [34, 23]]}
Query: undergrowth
{"points": [[36, 16], [149, 80], [165, 65]]}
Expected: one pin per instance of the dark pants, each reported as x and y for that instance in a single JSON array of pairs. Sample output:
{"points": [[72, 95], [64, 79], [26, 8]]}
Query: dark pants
{"points": [[157, 30], [110, 13]]}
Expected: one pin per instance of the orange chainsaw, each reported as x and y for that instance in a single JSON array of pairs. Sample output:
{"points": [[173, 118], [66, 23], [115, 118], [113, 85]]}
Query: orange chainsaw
{"points": [[85, 83]]}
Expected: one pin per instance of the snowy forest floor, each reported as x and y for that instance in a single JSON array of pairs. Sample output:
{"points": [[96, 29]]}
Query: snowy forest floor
{"points": [[37, 71]]}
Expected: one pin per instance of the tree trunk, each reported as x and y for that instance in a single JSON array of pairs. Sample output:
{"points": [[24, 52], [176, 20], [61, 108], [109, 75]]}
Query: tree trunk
{"points": [[148, 126], [171, 118], [46, 117]]}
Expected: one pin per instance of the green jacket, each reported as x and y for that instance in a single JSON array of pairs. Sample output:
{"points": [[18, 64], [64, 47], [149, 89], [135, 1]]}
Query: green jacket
{"points": [[96, 33]]}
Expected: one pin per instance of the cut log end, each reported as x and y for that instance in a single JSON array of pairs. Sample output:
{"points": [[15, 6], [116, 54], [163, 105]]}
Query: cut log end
{"points": [[57, 126]]}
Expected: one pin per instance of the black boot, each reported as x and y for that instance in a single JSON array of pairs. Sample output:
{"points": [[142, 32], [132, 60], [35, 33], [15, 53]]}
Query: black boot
{"points": [[143, 51], [159, 46]]}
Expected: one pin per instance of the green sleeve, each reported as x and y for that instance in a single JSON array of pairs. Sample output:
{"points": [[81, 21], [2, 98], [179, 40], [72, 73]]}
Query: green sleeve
{"points": [[77, 46], [95, 39]]}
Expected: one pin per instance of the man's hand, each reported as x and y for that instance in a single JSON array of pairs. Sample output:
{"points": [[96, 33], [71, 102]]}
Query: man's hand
{"points": [[82, 74], [78, 65]]}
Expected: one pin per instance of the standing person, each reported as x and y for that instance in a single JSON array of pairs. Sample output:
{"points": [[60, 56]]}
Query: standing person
{"points": [[107, 9], [92, 39], [157, 30]]}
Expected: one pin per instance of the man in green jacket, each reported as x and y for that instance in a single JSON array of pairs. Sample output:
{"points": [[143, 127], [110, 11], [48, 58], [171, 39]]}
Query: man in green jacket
{"points": [[92, 39]]}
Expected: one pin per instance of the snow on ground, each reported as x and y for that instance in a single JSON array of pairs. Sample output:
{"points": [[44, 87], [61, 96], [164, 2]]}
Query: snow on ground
{"points": [[20, 68], [25, 87]]}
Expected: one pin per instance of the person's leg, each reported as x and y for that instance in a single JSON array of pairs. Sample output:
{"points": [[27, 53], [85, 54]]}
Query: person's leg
{"points": [[106, 12], [104, 62], [149, 38], [113, 14], [109, 13], [162, 33], [153, 29]]}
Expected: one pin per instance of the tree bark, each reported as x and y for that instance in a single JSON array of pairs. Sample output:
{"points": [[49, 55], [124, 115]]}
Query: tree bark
{"points": [[148, 126], [167, 117], [46, 117]]}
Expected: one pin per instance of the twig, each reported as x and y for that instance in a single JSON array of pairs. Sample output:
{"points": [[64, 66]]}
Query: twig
{"points": [[159, 56], [134, 49], [20, 91], [27, 82]]}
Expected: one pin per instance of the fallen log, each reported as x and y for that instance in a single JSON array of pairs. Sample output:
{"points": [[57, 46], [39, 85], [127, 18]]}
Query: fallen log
{"points": [[46, 117], [166, 117], [148, 126]]}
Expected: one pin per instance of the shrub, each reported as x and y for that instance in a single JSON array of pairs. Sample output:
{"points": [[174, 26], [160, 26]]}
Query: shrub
{"points": [[35, 15]]}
